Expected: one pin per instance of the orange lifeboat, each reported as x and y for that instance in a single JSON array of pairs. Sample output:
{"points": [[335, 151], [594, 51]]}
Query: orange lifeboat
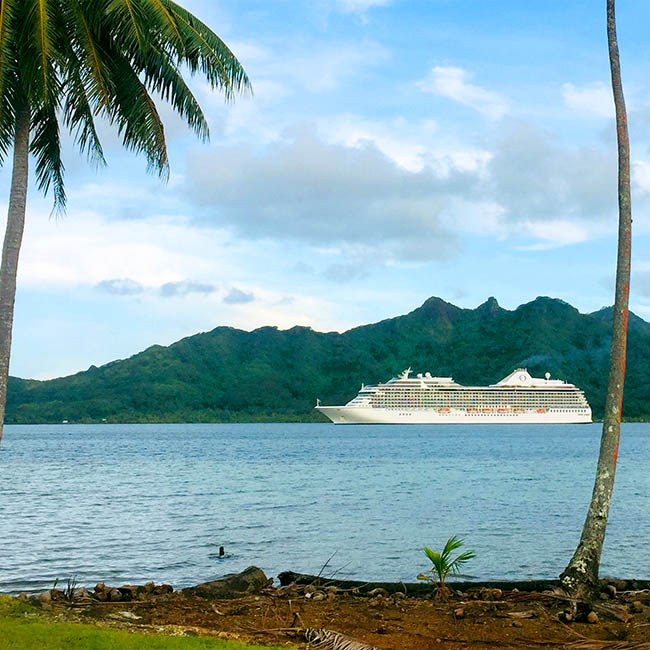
{"points": [[502, 410], [487, 410], [541, 410], [519, 410], [472, 410], [443, 410]]}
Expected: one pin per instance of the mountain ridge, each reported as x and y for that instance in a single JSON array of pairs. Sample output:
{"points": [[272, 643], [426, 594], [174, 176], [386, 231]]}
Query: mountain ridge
{"points": [[269, 374]]}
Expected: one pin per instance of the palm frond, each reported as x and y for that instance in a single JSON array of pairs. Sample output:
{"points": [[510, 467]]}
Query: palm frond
{"points": [[452, 544], [45, 146], [137, 118], [43, 35], [79, 119], [321, 639], [205, 52], [166, 22], [82, 29], [456, 564], [162, 76], [127, 21], [8, 11]]}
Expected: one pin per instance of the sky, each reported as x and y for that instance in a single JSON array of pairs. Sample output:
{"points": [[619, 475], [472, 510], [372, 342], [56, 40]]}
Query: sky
{"points": [[392, 150]]}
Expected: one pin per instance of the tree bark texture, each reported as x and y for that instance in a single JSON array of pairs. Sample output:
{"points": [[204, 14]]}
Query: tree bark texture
{"points": [[581, 575], [11, 249]]}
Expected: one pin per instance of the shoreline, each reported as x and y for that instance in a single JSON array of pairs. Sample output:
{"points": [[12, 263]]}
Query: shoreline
{"points": [[245, 607]]}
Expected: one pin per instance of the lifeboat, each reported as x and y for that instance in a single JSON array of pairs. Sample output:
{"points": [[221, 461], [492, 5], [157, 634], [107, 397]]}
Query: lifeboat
{"points": [[487, 410], [541, 410], [519, 410], [443, 410], [502, 410], [472, 410]]}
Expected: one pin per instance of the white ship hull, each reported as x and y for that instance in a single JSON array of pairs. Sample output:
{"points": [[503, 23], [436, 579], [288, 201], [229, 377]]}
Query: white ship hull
{"points": [[364, 415]]}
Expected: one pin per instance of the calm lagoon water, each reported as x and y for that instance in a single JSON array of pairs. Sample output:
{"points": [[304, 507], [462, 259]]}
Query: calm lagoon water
{"points": [[132, 503]]}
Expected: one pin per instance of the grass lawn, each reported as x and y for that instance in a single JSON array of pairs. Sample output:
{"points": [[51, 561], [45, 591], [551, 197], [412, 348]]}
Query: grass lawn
{"points": [[24, 627]]}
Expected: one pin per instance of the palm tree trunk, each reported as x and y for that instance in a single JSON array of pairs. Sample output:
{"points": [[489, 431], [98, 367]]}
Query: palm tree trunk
{"points": [[580, 578], [11, 249]]}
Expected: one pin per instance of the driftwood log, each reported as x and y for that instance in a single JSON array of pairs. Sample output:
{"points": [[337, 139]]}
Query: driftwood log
{"points": [[421, 588]]}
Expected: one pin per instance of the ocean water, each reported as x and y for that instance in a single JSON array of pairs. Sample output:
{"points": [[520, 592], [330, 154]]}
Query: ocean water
{"points": [[133, 503]]}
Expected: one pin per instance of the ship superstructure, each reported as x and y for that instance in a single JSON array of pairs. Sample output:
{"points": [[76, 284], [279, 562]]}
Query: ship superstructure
{"points": [[424, 399]]}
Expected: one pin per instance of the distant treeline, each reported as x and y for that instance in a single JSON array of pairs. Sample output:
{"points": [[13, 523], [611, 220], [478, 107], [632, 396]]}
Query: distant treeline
{"points": [[228, 375]]}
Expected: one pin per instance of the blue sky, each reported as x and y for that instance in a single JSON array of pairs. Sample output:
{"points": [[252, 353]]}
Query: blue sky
{"points": [[393, 150]]}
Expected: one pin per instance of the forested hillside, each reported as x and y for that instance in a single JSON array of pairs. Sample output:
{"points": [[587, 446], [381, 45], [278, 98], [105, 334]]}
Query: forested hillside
{"points": [[273, 375]]}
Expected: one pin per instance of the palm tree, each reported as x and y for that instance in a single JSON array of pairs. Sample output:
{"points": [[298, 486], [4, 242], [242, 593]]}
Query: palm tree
{"points": [[68, 62], [580, 578]]}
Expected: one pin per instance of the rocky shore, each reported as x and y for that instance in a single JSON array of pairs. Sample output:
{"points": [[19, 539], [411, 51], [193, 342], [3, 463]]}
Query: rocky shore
{"points": [[311, 611]]}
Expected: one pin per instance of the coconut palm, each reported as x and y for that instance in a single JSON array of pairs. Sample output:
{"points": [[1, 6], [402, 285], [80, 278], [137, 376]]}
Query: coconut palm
{"points": [[444, 566], [580, 578], [69, 62]]}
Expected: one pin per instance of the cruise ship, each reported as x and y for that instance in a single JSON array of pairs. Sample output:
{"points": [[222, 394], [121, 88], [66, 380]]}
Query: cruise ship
{"points": [[519, 398]]}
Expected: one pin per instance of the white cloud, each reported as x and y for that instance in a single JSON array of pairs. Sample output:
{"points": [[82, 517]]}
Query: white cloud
{"points": [[452, 82], [554, 234], [592, 99], [412, 145], [536, 178], [303, 189], [641, 176], [85, 249]]}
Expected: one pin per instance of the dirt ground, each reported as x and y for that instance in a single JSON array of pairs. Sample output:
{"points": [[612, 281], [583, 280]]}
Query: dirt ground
{"points": [[479, 618]]}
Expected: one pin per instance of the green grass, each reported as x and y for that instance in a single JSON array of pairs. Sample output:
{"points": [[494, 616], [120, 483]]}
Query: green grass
{"points": [[24, 627]]}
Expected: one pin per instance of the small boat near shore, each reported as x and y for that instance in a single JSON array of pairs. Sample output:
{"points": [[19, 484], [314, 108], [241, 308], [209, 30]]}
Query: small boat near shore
{"points": [[518, 398]]}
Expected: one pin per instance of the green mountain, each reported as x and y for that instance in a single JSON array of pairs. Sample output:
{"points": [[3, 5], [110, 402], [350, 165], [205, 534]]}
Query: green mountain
{"points": [[276, 375]]}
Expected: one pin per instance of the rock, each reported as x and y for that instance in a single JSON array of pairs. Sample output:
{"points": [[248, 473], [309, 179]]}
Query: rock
{"points": [[115, 595], [490, 594], [128, 592], [319, 595], [22, 596], [637, 607], [611, 590], [459, 612], [45, 597], [149, 587], [517, 624], [399, 595], [592, 618], [81, 592], [249, 581]]}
